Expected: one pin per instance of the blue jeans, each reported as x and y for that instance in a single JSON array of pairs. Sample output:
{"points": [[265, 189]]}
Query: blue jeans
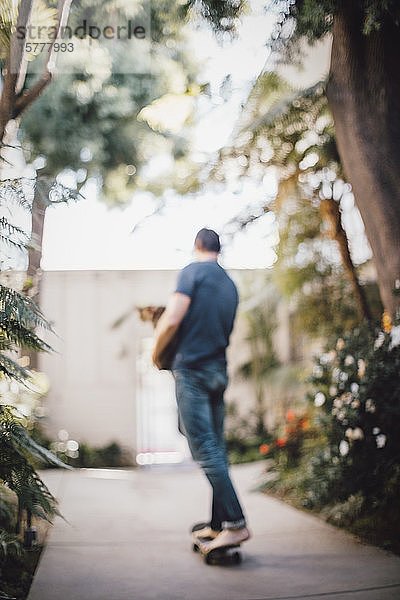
{"points": [[199, 395]]}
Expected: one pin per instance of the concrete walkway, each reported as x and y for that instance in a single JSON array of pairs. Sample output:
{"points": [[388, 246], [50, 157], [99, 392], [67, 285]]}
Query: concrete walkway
{"points": [[127, 539]]}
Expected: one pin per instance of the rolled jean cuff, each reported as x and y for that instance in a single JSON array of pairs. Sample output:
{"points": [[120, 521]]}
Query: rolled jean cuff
{"points": [[234, 524]]}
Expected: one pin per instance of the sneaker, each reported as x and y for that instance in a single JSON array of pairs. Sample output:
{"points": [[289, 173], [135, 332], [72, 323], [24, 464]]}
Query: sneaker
{"points": [[226, 538], [205, 533]]}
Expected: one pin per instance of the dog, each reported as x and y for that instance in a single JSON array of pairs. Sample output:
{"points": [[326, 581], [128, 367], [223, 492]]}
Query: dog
{"points": [[152, 314]]}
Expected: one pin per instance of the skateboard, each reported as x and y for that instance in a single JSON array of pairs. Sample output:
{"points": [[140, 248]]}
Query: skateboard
{"points": [[225, 555]]}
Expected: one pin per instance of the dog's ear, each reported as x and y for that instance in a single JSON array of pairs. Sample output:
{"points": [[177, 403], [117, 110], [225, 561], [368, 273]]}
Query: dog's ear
{"points": [[146, 313]]}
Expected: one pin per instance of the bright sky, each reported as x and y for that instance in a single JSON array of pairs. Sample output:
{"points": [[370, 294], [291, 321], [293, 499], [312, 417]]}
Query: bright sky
{"points": [[88, 235]]}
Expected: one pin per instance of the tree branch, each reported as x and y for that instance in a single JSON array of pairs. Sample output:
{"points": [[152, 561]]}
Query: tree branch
{"points": [[29, 96], [329, 209], [14, 65]]}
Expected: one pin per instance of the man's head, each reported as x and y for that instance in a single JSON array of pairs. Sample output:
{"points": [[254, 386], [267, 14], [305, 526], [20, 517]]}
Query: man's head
{"points": [[207, 243]]}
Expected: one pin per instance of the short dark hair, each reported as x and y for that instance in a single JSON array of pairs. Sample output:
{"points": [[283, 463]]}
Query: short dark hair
{"points": [[208, 240]]}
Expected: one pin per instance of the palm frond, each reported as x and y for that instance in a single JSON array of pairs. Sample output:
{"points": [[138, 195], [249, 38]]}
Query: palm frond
{"points": [[12, 235], [16, 307], [10, 544], [11, 369], [13, 190], [8, 18], [290, 106], [16, 451], [22, 336], [9, 419], [41, 15]]}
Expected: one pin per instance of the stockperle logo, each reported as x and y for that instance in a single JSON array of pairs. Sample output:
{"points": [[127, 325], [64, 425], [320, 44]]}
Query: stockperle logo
{"points": [[117, 40]]}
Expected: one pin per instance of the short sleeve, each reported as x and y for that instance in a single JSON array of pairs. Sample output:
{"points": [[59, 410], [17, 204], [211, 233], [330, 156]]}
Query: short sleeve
{"points": [[186, 281]]}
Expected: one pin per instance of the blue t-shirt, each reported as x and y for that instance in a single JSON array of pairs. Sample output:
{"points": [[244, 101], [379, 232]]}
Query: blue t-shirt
{"points": [[205, 330]]}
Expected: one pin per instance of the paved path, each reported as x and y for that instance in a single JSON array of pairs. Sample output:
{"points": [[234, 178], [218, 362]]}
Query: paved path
{"points": [[127, 539]]}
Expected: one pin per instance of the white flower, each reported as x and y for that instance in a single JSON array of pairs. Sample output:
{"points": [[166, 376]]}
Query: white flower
{"points": [[358, 433], [338, 403], [354, 388], [381, 440], [340, 344], [349, 433], [328, 357], [344, 447], [318, 371], [319, 399], [355, 404], [349, 360], [370, 406], [341, 416], [333, 390], [395, 337], [347, 398], [376, 430], [361, 368], [379, 340], [343, 376], [336, 374]]}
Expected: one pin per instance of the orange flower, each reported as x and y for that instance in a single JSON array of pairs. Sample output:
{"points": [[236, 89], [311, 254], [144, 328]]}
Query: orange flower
{"points": [[386, 322], [264, 449], [281, 442], [290, 415], [305, 424]]}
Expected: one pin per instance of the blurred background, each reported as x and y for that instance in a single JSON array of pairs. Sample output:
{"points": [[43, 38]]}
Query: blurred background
{"points": [[126, 128]]}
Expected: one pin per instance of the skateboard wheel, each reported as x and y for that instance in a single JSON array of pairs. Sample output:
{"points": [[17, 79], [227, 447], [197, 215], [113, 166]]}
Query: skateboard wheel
{"points": [[236, 558]]}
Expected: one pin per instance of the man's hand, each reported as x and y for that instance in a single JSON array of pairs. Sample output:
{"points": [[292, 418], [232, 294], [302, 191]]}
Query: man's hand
{"points": [[168, 324], [155, 360]]}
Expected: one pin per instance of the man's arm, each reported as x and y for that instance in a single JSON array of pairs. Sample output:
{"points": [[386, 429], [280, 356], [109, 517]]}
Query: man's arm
{"points": [[169, 323]]}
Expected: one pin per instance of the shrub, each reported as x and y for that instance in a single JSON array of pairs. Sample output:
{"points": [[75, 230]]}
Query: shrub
{"points": [[348, 465], [357, 394]]}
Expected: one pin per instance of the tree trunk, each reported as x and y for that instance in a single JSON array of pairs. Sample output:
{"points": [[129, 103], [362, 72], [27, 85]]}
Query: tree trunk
{"points": [[364, 96], [331, 211], [33, 281]]}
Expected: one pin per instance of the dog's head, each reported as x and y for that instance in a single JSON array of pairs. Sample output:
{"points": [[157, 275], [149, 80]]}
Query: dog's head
{"points": [[151, 313]]}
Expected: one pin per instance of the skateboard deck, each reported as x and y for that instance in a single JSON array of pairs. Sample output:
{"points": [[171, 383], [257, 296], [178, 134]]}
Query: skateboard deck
{"points": [[224, 555]]}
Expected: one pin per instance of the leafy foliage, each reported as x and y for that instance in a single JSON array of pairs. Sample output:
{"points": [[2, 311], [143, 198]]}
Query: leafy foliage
{"points": [[18, 193], [310, 274], [221, 14], [350, 467], [313, 19], [42, 15], [95, 110], [357, 389], [291, 131], [261, 323], [19, 316], [16, 448]]}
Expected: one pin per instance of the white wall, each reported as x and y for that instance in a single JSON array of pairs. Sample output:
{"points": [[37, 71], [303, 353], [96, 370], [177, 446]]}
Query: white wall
{"points": [[94, 383]]}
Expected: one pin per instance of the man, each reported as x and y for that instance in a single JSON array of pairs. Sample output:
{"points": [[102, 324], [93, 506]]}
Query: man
{"points": [[202, 310]]}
